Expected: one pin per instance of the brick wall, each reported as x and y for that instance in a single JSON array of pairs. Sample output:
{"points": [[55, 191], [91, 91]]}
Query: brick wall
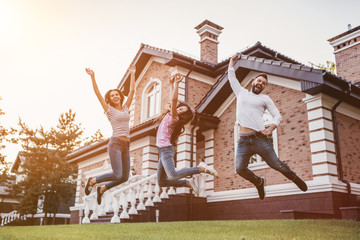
{"points": [[137, 155], [348, 63], [349, 137], [293, 138], [196, 91], [161, 72], [293, 132]]}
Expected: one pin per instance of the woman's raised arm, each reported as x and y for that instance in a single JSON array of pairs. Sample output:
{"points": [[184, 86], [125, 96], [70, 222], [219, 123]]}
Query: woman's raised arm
{"points": [[96, 89]]}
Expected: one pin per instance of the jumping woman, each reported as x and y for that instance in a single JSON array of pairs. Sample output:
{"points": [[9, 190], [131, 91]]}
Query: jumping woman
{"points": [[172, 122], [118, 147]]}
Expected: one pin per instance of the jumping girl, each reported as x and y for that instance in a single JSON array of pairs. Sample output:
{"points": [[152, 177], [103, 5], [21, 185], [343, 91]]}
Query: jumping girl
{"points": [[118, 147], [171, 126]]}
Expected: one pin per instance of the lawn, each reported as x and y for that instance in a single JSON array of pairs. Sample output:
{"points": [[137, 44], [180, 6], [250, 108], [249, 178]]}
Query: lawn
{"points": [[204, 230]]}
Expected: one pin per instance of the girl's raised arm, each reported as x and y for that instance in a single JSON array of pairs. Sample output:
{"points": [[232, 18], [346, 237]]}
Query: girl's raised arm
{"points": [[96, 89], [176, 79]]}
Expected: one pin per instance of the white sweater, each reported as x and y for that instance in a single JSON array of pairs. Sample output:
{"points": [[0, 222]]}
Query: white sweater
{"points": [[250, 107]]}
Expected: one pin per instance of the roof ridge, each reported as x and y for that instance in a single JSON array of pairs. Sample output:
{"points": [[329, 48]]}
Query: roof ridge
{"points": [[144, 45]]}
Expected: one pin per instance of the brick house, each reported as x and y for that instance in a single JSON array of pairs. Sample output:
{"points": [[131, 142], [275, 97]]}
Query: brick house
{"points": [[322, 153]]}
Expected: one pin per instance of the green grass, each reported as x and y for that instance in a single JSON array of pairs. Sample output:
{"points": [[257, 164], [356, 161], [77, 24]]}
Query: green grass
{"points": [[204, 230]]}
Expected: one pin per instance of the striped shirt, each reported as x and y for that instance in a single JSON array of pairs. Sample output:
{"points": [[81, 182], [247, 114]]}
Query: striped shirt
{"points": [[119, 121], [250, 107]]}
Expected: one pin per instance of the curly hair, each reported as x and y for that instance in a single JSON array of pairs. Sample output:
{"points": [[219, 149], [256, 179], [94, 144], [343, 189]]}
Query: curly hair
{"points": [[108, 100], [178, 127]]}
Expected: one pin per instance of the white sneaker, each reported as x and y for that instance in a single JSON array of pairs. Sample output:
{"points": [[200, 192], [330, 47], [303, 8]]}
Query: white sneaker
{"points": [[208, 169], [194, 187]]}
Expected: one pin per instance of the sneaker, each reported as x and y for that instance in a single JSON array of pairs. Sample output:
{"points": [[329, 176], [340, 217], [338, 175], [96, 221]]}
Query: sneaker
{"points": [[209, 170], [88, 188], [300, 183], [99, 195], [194, 187], [261, 189]]}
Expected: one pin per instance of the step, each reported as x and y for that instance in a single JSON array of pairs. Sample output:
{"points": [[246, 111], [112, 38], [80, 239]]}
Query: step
{"points": [[293, 214]]}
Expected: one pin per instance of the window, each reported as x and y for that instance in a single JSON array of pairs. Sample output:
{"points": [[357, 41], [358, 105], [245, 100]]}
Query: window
{"points": [[256, 162], [151, 100]]}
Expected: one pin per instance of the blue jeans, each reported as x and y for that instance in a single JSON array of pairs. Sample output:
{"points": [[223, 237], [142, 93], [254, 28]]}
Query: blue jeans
{"points": [[120, 163], [258, 144], [166, 173]]}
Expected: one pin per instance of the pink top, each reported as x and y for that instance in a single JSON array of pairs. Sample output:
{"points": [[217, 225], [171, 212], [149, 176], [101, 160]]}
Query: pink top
{"points": [[163, 134]]}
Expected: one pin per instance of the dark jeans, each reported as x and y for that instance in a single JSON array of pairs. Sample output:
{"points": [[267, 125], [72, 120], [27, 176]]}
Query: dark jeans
{"points": [[120, 163], [166, 173], [258, 144]]}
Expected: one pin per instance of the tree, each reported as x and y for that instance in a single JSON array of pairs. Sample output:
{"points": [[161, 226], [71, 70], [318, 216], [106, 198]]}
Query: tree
{"points": [[45, 169], [94, 138], [4, 165], [330, 66]]}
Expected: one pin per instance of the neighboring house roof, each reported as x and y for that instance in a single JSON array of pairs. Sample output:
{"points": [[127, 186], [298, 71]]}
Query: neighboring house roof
{"points": [[18, 160]]}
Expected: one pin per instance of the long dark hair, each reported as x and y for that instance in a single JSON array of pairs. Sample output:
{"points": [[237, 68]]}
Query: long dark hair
{"points": [[178, 127], [108, 100]]}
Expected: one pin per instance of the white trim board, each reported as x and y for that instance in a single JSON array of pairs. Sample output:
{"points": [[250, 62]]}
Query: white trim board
{"points": [[282, 190]]}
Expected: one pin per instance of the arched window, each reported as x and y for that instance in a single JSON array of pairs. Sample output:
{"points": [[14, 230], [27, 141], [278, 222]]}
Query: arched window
{"points": [[151, 100]]}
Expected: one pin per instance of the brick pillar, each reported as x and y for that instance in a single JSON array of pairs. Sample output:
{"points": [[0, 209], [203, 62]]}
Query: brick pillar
{"points": [[347, 54], [322, 144], [209, 159], [209, 33]]}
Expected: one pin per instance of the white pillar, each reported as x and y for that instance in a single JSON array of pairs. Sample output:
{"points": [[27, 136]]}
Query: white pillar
{"points": [[150, 157], [183, 154], [209, 159], [322, 144]]}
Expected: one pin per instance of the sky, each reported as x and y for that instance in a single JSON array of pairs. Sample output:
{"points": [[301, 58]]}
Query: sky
{"points": [[46, 45]]}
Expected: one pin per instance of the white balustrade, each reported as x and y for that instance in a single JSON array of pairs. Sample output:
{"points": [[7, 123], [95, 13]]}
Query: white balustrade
{"points": [[132, 198], [124, 214], [164, 194], [115, 205], [141, 205], [157, 193], [134, 191], [11, 216], [171, 191], [149, 202]]}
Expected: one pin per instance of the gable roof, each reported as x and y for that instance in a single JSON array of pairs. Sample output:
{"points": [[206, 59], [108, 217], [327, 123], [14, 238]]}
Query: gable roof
{"points": [[312, 80], [174, 58]]}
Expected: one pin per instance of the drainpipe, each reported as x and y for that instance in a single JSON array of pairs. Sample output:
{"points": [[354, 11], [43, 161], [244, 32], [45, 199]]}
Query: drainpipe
{"points": [[196, 121], [192, 134], [337, 144]]}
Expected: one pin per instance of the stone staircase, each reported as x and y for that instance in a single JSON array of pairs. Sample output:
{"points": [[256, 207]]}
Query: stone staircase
{"points": [[175, 208], [142, 200]]}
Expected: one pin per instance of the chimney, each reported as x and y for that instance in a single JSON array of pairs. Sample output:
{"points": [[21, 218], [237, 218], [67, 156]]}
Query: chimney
{"points": [[347, 54], [209, 33]]}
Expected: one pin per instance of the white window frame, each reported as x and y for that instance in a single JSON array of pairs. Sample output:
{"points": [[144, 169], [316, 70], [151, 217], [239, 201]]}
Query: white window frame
{"points": [[259, 163], [145, 98]]}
